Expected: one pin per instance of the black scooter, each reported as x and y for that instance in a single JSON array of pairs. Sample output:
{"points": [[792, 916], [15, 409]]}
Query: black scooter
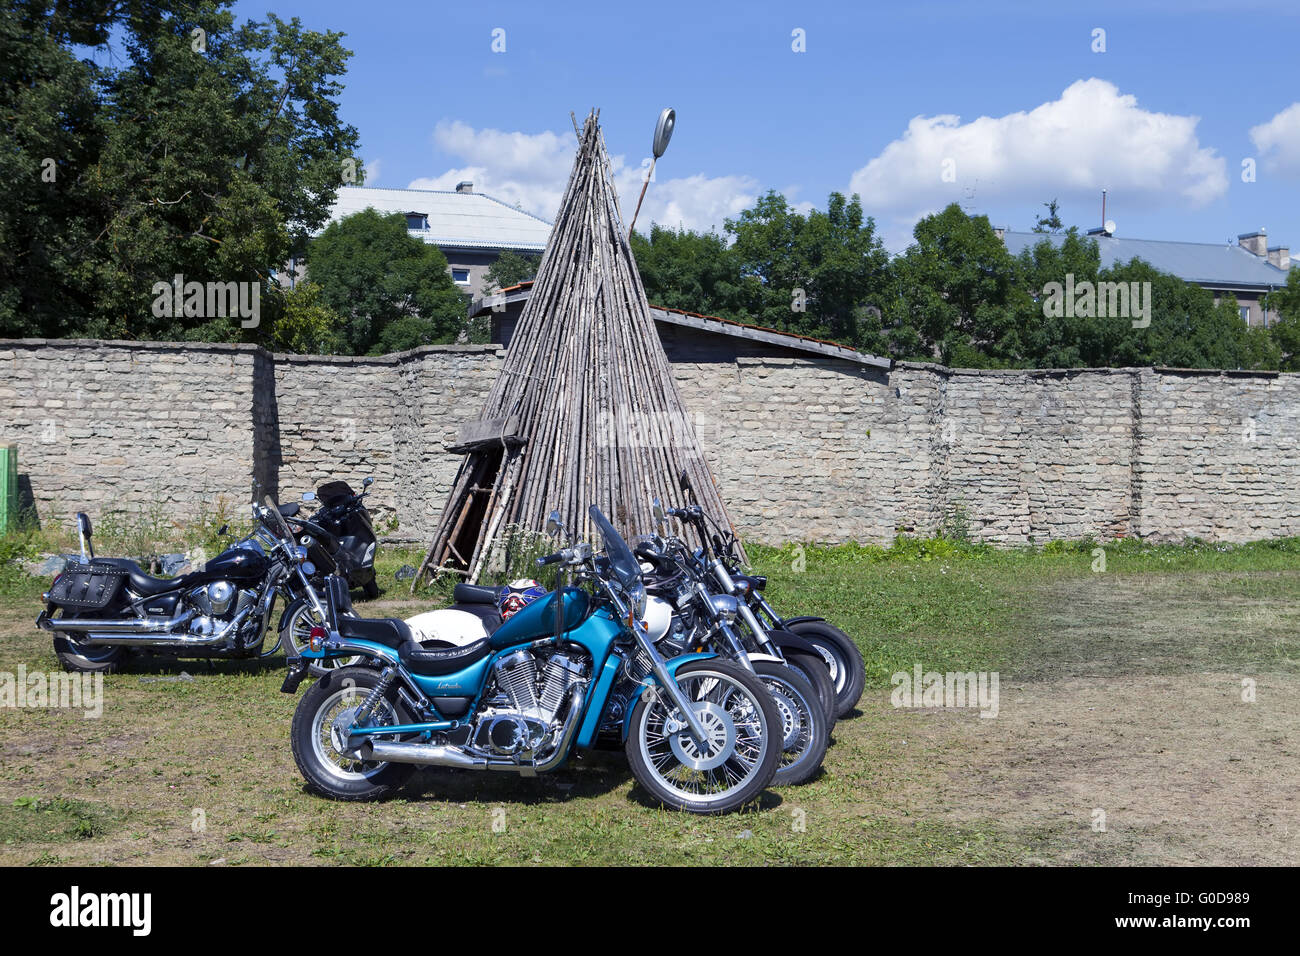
{"points": [[351, 537]]}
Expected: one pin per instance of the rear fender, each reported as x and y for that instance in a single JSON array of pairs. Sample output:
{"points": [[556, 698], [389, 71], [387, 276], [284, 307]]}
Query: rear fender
{"points": [[336, 646]]}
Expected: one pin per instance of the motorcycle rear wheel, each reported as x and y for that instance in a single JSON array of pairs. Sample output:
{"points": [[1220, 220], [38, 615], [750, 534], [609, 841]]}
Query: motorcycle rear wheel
{"points": [[329, 770], [76, 657], [744, 745]]}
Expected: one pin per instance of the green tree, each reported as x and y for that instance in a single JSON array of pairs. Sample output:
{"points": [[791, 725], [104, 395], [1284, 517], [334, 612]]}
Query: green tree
{"points": [[1051, 223], [392, 290], [210, 150], [956, 295], [510, 269], [821, 274], [1285, 333], [306, 324], [691, 271]]}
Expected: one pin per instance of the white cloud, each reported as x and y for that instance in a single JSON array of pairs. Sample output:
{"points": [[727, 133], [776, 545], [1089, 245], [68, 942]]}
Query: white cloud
{"points": [[531, 170], [1278, 141], [1069, 148], [371, 167]]}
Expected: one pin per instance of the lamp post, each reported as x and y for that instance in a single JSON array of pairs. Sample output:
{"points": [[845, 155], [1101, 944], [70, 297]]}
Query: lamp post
{"points": [[663, 133]]}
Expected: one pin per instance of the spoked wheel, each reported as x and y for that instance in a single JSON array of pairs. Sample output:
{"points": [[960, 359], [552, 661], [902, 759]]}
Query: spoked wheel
{"points": [[814, 667], [76, 656], [739, 755], [803, 722], [321, 745], [297, 632], [842, 658]]}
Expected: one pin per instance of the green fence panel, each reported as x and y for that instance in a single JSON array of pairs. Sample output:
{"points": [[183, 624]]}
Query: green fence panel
{"points": [[8, 487]]}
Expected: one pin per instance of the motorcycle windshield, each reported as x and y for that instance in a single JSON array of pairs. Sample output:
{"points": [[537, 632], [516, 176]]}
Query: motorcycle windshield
{"points": [[276, 520], [623, 565]]}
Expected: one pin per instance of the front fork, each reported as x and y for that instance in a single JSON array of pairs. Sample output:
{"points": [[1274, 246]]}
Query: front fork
{"points": [[659, 667]]}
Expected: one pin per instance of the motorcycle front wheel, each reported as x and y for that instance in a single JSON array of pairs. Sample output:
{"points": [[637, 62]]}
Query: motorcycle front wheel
{"points": [[803, 722], [319, 739], [842, 657], [296, 632], [734, 764]]}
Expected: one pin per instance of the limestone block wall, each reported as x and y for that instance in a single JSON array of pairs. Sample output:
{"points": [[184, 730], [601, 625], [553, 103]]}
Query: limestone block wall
{"points": [[804, 447]]}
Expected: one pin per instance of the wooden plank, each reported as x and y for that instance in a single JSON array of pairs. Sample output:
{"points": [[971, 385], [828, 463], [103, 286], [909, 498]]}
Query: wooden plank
{"points": [[487, 433]]}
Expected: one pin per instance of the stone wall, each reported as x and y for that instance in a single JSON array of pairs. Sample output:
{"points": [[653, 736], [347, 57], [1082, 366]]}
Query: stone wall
{"points": [[804, 447]]}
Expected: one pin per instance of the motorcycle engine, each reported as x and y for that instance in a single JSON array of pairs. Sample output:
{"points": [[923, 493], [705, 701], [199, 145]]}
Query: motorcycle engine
{"points": [[217, 602], [530, 691]]}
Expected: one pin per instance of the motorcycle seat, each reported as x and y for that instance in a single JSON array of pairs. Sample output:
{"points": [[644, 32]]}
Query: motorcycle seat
{"points": [[477, 594], [388, 631], [487, 613], [433, 662], [141, 583]]}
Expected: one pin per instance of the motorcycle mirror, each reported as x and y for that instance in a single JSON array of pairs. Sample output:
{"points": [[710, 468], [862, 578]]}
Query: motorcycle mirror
{"points": [[83, 524], [309, 496], [553, 524], [223, 531], [367, 482]]}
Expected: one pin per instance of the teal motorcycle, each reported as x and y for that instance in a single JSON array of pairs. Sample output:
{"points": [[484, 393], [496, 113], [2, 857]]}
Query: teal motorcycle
{"points": [[573, 670]]}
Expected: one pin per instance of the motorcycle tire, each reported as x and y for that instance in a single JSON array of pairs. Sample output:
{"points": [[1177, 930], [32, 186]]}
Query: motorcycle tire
{"points": [[76, 657], [843, 657], [328, 770], [746, 728], [370, 590], [814, 667], [803, 723]]}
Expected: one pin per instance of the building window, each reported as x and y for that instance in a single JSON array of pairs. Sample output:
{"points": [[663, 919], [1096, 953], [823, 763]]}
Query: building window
{"points": [[460, 276], [417, 220], [1244, 312]]}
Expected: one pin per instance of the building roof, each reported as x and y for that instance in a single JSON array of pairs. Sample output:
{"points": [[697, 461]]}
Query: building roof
{"points": [[1217, 265], [711, 323], [457, 220]]}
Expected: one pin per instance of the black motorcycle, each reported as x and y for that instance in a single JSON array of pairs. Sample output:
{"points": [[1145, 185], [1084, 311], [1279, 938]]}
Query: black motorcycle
{"points": [[99, 609], [720, 553]]}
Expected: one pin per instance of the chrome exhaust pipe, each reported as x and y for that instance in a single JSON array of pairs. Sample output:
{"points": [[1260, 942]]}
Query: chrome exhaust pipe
{"points": [[432, 755], [94, 638], [443, 755], [113, 626]]}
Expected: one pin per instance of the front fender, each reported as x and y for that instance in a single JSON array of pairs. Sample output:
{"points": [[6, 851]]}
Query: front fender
{"points": [[794, 642], [650, 680], [786, 622]]}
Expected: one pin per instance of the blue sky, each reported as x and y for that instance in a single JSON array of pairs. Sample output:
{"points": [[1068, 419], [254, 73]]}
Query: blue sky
{"points": [[997, 105]]}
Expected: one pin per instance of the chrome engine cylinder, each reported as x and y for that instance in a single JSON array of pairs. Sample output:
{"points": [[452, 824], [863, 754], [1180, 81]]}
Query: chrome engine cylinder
{"points": [[516, 675], [560, 674]]}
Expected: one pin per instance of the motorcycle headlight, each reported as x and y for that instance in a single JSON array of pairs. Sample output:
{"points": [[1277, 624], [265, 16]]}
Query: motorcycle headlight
{"points": [[724, 605]]}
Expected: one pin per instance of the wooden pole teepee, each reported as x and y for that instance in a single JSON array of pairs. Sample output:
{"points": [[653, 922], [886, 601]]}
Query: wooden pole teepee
{"points": [[585, 410]]}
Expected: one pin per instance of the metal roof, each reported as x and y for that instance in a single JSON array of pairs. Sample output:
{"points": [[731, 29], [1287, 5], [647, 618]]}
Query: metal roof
{"points": [[456, 220], [1204, 263], [708, 323]]}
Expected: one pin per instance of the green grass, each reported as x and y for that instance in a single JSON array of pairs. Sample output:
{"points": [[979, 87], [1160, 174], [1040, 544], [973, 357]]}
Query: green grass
{"points": [[125, 788]]}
